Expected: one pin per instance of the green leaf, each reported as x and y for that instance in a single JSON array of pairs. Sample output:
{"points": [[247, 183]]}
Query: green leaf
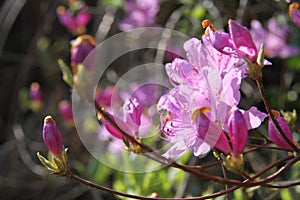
{"points": [[294, 63], [101, 173], [198, 12], [67, 74], [286, 194], [117, 3], [49, 165], [24, 101], [60, 164], [238, 194]]}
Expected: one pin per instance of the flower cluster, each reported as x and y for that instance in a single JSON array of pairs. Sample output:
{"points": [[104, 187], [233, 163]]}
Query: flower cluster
{"points": [[75, 17], [139, 13], [135, 114], [274, 39], [201, 111]]}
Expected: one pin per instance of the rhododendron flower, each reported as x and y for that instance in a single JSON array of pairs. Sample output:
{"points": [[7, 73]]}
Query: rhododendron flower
{"points": [[238, 42], [276, 136], [75, 18], [209, 80], [294, 13], [139, 13], [274, 39], [52, 136]]}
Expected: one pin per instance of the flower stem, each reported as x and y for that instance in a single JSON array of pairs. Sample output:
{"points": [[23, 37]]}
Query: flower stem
{"points": [[106, 189], [268, 108]]}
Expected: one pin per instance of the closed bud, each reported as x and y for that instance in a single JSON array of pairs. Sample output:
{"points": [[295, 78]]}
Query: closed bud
{"points": [[35, 95], [275, 134], [294, 13], [52, 136], [114, 131], [65, 110], [238, 131], [80, 49]]}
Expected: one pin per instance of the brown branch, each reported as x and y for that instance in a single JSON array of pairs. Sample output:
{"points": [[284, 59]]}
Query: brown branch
{"points": [[268, 108]]}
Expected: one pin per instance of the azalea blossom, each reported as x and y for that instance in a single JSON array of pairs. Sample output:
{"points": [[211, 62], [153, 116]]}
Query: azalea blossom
{"points": [[139, 13], [238, 42], [196, 112], [274, 39]]}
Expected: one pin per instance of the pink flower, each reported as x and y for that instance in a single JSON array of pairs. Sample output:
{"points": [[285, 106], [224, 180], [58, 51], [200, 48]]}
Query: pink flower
{"points": [[276, 136], [75, 18], [294, 13], [52, 136], [274, 39], [242, 41], [196, 112], [133, 110], [139, 13], [238, 42]]}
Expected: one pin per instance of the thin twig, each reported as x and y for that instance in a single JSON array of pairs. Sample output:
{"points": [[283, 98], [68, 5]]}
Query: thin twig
{"points": [[268, 108]]}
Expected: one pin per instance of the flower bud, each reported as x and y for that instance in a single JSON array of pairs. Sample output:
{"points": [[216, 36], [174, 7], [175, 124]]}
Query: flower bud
{"points": [[35, 94], [104, 96], [294, 13], [238, 131], [210, 131], [80, 49], [114, 130], [65, 110], [52, 136], [276, 136]]}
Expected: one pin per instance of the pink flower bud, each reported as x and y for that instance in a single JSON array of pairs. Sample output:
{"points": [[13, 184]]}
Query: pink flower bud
{"points": [[35, 92], [104, 96], [52, 136], [65, 110], [242, 41], [294, 13], [238, 131], [276, 136], [210, 131], [81, 47], [113, 130]]}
